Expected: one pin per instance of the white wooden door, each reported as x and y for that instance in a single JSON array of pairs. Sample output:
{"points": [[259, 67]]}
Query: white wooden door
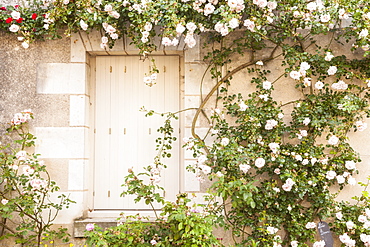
{"points": [[124, 137]]}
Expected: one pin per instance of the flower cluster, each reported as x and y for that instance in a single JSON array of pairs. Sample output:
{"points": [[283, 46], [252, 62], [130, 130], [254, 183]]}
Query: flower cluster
{"points": [[22, 117]]}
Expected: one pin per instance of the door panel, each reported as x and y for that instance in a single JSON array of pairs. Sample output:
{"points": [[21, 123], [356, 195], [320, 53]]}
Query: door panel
{"points": [[124, 137]]}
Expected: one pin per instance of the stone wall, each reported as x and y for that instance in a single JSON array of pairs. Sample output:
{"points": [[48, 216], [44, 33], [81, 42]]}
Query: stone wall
{"points": [[53, 79]]}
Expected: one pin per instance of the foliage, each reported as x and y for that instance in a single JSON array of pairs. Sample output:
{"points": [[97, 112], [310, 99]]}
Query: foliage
{"points": [[26, 209], [178, 225]]}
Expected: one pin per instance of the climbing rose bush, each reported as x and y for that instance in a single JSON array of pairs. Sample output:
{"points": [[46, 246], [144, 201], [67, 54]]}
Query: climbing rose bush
{"points": [[27, 211], [275, 167]]}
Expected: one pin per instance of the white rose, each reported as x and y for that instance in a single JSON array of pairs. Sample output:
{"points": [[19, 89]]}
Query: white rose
{"points": [[306, 121], [350, 164], [242, 106], [83, 25], [108, 7], [325, 18], [271, 230], [180, 29], [320, 243], [340, 179], [250, 25], [259, 162], [331, 175], [234, 23], [225, 141], [25, 44], [294, 243], [166, 41], [310, 225], [319, 85], [332, 70], [328, 56], [15, 15], [364, 33], [305, 66], [266, 85], [104, 39], [333, 140], [191, 26], [14, 28], [295, 75], [351, 180]]}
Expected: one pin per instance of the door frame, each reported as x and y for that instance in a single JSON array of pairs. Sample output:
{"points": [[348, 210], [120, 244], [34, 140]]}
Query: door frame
{"points": [[89, 197]]}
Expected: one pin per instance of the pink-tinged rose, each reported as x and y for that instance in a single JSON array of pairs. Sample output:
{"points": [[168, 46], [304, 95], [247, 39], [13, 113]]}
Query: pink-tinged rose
{"points": [[108, 7], [14, 28], [21, 155], [15, 15], [166, 41], [339, 215], [90, 227], [362, 218], [350, 225], [295, 75], [4, 201], [250, 25], [244, 168]]}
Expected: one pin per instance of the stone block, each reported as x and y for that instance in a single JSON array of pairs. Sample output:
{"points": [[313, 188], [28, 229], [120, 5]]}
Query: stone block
{"points": [[76, 174], [79, 226], [58, 171], [61, 78], [79, 45], [191, 102], [78, 110], [60, 142], [194, 81]]}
